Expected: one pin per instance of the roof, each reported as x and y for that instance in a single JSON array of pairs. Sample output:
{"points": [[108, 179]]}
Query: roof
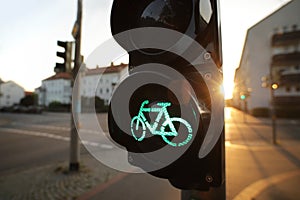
{"points": [[11, 82], [106, 70], [61, 75], [259, 22], [271, 14], [28, 93]]}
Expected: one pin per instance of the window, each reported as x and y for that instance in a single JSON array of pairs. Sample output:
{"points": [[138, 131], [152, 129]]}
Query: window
{"points": [[298, 88], [100, 90], [107, 90], [294, 27], [284, 28], [288, 89]]}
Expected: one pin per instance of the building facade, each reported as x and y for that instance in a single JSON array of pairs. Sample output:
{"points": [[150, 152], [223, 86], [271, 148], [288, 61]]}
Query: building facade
{"points": [[100, 82], [285, 66], [56, 88], [271, 54], [10, 93]]}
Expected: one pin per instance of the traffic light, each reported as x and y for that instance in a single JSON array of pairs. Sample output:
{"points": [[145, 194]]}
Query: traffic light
{"points": [[66, 55], [169, 112]]}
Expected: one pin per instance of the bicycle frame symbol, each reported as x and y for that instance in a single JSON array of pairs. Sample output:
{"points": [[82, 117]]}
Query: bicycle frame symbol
{"points": [[140, 121]]}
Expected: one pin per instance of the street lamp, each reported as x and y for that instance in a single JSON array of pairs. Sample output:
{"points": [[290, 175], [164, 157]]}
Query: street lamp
{"points": [[275, 86]]}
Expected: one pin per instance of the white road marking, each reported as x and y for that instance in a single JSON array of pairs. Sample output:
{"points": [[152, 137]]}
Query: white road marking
{"points": [[58, 128], [53, 136]]}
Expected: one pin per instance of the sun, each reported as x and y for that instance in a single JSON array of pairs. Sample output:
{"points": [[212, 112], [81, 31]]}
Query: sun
{"points": [[228, 86]]}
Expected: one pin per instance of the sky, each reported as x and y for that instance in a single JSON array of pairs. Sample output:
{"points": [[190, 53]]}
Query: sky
{"points": [[30, 30]]}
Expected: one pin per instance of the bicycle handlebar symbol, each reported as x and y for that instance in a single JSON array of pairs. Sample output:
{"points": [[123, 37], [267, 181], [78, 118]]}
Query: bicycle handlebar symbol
{"points": [[140, 121]]}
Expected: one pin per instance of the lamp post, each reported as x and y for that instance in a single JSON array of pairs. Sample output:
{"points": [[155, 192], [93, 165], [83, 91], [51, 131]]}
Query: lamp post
{"points": [[273, 87]]}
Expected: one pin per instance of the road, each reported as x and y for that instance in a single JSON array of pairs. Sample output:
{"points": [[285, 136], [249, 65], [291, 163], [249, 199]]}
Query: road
{"points": [[22, 150], [29, 140], [252, 161]]}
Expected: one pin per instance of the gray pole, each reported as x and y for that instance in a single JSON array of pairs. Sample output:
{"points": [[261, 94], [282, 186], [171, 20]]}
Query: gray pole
{"points": [[273, 116], [74, 141], [245, 110], [213, 194], [273, 111]]}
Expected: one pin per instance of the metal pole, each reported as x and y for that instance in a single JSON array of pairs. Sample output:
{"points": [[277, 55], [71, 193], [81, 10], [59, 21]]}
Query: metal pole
{"points": [[273, 117], [245, 110], [74, 140], [273, 112], [213, 194]]}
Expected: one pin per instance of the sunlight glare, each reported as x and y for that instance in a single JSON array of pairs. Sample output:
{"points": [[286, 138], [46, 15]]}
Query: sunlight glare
{"points": [[227, 113]]}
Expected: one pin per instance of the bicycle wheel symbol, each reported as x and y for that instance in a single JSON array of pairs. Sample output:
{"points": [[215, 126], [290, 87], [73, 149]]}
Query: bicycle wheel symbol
{"points": [[135, 128], [186, 135]]}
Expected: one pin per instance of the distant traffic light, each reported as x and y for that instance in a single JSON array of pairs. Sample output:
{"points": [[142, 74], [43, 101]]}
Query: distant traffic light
{"points": [[66, 55], [243, 97], [174, 108]]}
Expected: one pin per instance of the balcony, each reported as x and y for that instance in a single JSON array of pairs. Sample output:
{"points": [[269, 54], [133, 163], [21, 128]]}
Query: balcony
{"points": [[290, 101], [283, 39], [290, 79], [286, 59]]}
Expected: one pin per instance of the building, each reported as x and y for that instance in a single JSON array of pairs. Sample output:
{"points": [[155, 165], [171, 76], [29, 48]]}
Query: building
{"points": [[272, 54], [101, 81], [10, 93], [56, 88], [98, 82]]}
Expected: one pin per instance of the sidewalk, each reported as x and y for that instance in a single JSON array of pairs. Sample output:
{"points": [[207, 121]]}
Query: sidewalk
{"points": [[54, 182], [256, 168]]}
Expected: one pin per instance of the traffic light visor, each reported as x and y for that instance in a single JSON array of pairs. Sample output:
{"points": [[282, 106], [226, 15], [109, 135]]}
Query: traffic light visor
{"points": [[172, 14]]}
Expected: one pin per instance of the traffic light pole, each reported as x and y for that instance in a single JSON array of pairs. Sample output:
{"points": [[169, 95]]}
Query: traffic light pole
{"points": [[74, 140], [245, 111], [214, 193]]}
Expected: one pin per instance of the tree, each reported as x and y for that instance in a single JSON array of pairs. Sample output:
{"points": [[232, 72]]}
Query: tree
{"points": [[28, 100]]}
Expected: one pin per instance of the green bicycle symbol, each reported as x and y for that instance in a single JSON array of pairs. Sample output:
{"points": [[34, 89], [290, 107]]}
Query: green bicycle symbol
{"points": [[140, 119]]}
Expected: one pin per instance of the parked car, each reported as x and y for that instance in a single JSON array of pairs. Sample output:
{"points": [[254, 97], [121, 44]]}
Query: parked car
{"points": [[35, 109], [22, 109]]}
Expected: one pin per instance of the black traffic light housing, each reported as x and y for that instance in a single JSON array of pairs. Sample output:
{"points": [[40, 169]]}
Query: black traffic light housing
{"points": [[190, 18], [66, 55]]}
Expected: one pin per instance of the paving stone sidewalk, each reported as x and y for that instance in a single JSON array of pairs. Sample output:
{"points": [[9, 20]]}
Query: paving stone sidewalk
{"points": [[54, 182]]}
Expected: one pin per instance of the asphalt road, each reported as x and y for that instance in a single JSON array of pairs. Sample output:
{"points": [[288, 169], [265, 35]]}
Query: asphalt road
{"points": [[29, 141]]}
